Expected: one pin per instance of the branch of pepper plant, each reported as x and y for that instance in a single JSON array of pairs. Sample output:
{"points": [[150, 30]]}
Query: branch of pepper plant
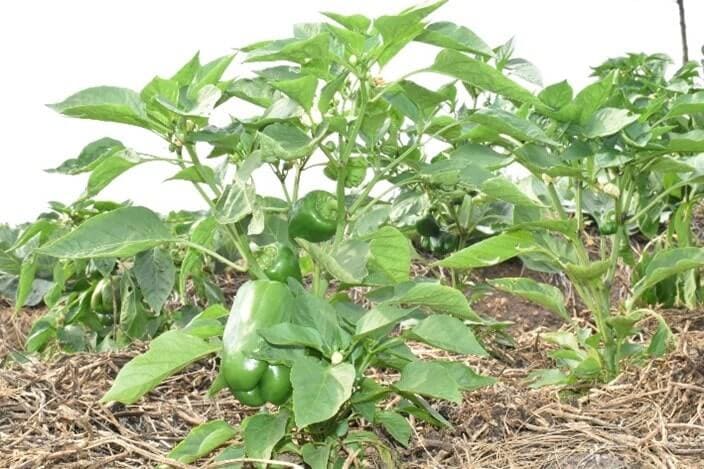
{"points": [[345, 153], [381, 174], [212, 254], [395, 82], [232, 230]]}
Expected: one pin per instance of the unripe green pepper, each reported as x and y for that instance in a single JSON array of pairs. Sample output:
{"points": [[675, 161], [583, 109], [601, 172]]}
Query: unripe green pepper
{"points": [[448, 243], [258, 304], [428, 226], [355, 171], [279, 262], [313, 217], [104, 296], [608, 225]]}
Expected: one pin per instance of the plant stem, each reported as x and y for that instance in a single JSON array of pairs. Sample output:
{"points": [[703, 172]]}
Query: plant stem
{"points": [[212, 254], [345, 153], [241, 245], [578, 207]]}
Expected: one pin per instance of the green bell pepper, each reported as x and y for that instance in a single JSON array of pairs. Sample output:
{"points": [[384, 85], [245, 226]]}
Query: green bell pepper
{"points": [[313, 217], [356, 171], [608, 224], [279, 262], [448, 243], [258, 304], [104, 296], [428, 226]]}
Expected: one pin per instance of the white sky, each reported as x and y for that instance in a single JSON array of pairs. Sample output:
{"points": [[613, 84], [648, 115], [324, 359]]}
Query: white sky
{"points": [[52, 49]]}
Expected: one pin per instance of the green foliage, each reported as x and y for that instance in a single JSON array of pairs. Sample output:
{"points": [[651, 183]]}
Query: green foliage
{"points": [[622, 155]]}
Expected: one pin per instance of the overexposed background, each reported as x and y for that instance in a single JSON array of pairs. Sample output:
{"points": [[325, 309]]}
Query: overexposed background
{"points": [[53, 49]]}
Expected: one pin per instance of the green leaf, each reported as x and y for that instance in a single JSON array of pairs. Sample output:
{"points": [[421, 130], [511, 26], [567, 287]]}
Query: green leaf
{"points": [[238, 201], [661, 340], [491, 251], [664, 264], [465, 377], [91, 155], [319, 389], [436, 297], [234, 452], [200, 174], [167, 354], [389, 257], [541, 293], [358, 23], [202, 233], [316, 455], [413, 100], [201, 440], [105, 103], [206, 324], [500, 188], [284, 141], [483, 76], [262, 432], [9, 264], [156, 276], [108, 169], [397, 426], [287, 334], [550, 377], [302, 90], [557, 95], [608, 121], [26, 280], [348, 263], [398, 30], [208, 74], [688, 142], [482, 156], [452, 36], [122, 232], [429, 378], [378, 318], [313, 52], [588, 101], [510, 124], [448, 333], [687, 104]]}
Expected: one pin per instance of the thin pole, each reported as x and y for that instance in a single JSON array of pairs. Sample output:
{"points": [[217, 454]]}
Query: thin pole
{"points": [[683, 32]]}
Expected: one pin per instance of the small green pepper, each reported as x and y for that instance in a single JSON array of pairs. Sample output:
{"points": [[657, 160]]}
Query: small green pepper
{"points": [[279, 262], [313, 217], [104, 297], [608, 225]]}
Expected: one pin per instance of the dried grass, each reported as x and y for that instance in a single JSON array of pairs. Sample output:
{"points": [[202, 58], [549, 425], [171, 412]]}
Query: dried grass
{"points": [[648, 417]]}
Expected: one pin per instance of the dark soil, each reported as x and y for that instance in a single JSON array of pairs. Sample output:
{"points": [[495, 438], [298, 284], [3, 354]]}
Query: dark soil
{"points": [[505, 307]]}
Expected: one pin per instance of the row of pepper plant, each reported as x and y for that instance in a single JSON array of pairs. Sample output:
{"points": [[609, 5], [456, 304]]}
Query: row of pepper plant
{"points": [[331, 297]]}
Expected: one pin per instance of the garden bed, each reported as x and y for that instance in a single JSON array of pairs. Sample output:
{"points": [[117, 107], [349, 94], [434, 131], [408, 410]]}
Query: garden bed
{"points": [[648, 417]]}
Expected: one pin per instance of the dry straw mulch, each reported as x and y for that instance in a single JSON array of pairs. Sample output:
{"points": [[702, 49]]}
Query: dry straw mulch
{"points": [[649, 417]]}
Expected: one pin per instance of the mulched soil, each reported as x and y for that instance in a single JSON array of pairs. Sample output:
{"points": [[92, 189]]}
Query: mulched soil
{"points": [[648, 417]]}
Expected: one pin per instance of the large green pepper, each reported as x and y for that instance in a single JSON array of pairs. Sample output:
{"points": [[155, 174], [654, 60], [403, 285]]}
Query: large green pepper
{"points": [[314, 217], [428, 226], [279, 262], [258, 304]]}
